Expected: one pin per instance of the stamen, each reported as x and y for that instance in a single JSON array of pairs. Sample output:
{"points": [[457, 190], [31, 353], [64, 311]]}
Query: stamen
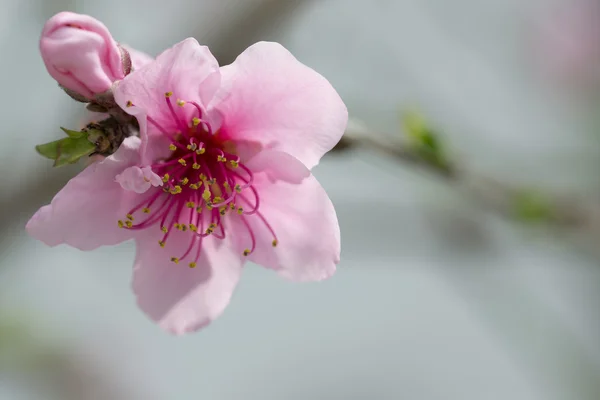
{"points": [[165, 132], [252, 237], [177, 120]]}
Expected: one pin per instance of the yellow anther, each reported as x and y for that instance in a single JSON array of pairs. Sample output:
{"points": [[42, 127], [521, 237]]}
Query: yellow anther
{"points": [[195, 121], [223, 210], [212, 225], [189, 147], [166, 178], [194, 146], [212, 181], [201, 151], [206, 195], [190, 204], [180, 103], [172, 147], [238, 188], [129, 217], [192, 265], [146, 210], [175, 190], [232, 206], [128, 224], [217, 199], [184, 181], [164, 229], [183, 228], [129, 103], [194, 186], [209, 231], [120, 223], [161, 243], [274, 242], [199, 209], [175, 260], [202, 177], [220, 158], [234, 163], [226, 185], [196, 166], [240, 210], [176, 225], [168, 94], [193, 228], [182, 162], [246, 252]]}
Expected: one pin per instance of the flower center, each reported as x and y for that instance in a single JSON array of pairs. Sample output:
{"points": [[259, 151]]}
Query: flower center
{"points": [[203, 186]]}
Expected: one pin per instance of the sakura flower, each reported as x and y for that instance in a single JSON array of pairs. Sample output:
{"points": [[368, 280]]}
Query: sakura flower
{"points": [[80, 53], [219, 175]]}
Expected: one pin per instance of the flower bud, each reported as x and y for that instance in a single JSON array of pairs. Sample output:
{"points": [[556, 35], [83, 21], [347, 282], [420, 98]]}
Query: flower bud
{"points": [[81, 55]]}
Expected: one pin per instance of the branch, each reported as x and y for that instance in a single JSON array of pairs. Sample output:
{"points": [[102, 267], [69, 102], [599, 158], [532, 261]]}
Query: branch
{"points": [[519, 203]]}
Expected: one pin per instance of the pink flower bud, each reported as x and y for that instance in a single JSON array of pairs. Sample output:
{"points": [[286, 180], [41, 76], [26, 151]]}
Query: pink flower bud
{"points": [[81, 55]]}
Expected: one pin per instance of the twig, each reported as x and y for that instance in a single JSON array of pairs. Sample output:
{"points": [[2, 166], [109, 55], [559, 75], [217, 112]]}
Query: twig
{"points": [[511, 201]]}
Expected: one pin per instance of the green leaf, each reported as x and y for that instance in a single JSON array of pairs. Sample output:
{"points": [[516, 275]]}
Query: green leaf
{"points": [[531, 206], [72, 134], [67, 150], [423, 139]]}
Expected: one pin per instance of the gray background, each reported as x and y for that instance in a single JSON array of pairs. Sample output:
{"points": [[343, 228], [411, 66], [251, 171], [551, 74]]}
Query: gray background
{"points": [[435, 298]]}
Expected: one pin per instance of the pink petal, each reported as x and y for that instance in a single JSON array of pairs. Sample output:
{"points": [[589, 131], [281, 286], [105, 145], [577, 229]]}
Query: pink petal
{"points": [[179, 298], [80, 53], [85, 212], [138, 180], [296, 206], [269, 97], [188, 70]]}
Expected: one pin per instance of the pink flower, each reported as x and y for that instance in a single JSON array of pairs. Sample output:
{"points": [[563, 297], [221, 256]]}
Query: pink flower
{"points": [[220, 175], [82, 56]]}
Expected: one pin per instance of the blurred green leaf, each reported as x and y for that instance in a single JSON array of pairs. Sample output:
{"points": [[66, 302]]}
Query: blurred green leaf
{"points": [[531, 206], [424, 140], [67, 150]]}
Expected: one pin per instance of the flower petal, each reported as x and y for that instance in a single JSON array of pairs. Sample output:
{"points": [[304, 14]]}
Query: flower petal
{"points": [[84, 213], [179, 298], [302, 216], [269, 97], [188, 70], [138, 180]]}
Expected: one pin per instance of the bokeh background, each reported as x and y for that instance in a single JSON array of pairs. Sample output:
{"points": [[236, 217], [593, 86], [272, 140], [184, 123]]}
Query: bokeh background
{"points": [[436, 297]]}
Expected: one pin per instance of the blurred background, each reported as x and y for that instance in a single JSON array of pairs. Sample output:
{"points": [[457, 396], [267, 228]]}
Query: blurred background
{"points": [[438, 296]]}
